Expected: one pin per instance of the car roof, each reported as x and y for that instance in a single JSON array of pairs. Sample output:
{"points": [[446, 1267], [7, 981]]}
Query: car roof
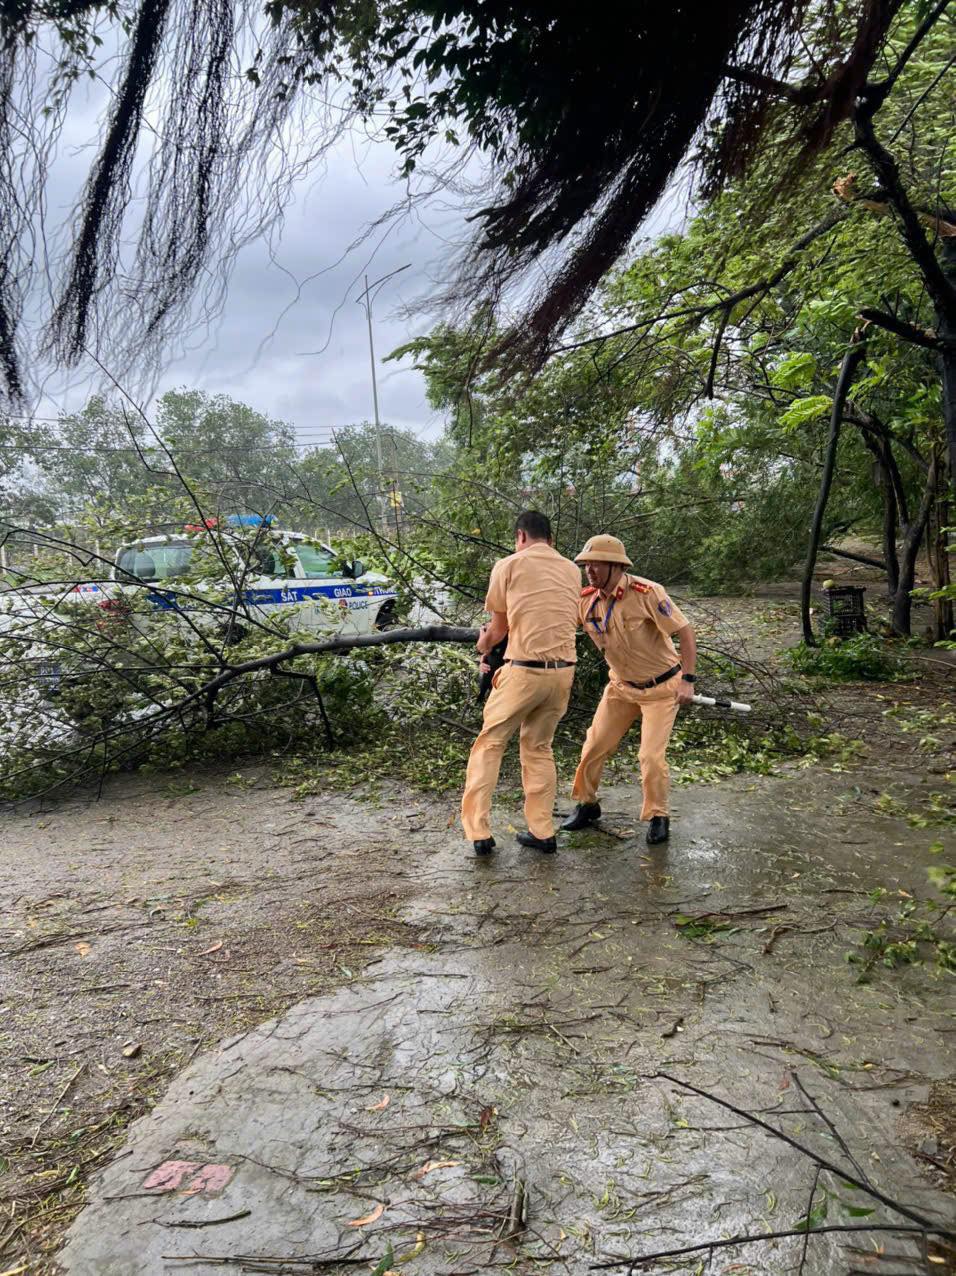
{"points": [[181, 538]]}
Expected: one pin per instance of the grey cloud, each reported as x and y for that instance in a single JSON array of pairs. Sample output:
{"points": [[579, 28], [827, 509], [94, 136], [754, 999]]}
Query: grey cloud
{"points": [[256, 350]]}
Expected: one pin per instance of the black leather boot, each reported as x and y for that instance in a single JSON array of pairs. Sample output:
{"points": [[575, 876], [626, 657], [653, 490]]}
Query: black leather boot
{"points": [[484, 846], [583, 815], [659, 830], [546, 844]]}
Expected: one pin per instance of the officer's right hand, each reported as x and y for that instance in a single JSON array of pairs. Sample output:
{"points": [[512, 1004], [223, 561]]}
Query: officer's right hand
{"points": [[482, 630]]}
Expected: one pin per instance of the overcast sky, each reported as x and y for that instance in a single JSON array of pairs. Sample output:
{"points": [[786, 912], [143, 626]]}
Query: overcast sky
{"points": [[304, 355], [292, 340]]}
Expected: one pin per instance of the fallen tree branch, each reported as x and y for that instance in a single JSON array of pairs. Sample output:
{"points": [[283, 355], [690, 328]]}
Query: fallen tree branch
{"points": [[844, 1147], [923, 1223], [427, 633], [205, 1222], [754, 1238], [210, 689], [856, 558], [59, 1099]]}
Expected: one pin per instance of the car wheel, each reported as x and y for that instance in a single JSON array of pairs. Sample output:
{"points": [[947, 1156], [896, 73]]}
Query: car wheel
{"points": [[386, 617], [232, 633]]}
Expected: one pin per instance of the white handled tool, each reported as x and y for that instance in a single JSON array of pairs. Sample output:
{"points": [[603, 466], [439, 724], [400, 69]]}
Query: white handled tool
{"points": [[736, 705]]}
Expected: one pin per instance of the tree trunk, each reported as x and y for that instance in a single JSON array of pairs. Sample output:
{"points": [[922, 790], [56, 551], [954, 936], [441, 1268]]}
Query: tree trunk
{"points": [[946, 327], [890, 564], [889, 529], [936, 550], [851, 360], [902, 603]]}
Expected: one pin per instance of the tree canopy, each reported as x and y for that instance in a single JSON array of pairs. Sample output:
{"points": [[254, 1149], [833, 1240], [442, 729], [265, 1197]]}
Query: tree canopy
{"points": [[582, 116]]}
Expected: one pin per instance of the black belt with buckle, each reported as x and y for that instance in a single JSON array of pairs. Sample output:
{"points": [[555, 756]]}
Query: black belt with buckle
{"points": [[655, 682], [544, 664]]}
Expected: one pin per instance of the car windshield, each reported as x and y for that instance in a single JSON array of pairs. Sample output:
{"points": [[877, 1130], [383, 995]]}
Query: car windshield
{"points": [[155, 562], [266, 561], [317, 563]]}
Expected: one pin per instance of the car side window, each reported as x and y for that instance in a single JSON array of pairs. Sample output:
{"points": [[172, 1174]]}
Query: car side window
{"points": [[155, 562]]}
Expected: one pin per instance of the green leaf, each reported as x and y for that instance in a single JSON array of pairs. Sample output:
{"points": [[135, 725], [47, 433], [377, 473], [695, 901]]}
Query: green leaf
{"points": [[803, 411], [816, 1216], [794, 371], [386, 1262]]}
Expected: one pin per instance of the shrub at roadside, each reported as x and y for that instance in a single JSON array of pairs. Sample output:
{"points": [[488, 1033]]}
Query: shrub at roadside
{"points": [[862, 658]]}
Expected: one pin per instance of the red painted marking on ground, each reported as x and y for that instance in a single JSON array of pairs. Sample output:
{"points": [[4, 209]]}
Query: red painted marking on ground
{"points": [[209, 1180], [168, 1176]]}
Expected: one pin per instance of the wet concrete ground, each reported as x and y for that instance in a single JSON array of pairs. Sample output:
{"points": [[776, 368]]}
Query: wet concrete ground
{"points": [[498, 1100]]}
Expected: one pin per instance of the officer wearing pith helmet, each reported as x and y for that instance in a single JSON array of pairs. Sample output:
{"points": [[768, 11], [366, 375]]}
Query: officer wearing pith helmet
{"points": [[633, 623]]}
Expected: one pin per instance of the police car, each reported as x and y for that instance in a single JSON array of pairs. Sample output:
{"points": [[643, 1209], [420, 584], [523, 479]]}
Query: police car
{"points": [[281, 575]]}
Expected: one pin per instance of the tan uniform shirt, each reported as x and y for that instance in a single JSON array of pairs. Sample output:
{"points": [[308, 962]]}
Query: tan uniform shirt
{"points": [[633, 628], [539, 591]]}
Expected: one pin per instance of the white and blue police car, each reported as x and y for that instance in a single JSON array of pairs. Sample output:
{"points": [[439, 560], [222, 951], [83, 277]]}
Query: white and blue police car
{"points": [[280, 575]]}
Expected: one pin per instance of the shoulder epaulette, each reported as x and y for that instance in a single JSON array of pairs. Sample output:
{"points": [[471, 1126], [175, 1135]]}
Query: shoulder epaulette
{"points": [[640, 588], [588, 591]]}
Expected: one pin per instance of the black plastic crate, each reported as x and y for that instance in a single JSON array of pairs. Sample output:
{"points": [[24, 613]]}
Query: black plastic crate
{"points": [[847, 613]]}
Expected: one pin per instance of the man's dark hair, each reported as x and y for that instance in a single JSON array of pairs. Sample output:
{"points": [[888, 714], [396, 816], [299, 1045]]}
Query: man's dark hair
{"points": [[536, 527]]}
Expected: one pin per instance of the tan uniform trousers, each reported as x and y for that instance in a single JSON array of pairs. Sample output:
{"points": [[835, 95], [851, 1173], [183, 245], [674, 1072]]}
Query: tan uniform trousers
{"points": [[619, 708], [535, 700]]}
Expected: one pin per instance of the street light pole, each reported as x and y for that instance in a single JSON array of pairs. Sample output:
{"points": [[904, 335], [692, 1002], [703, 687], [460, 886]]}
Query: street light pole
{"points": [[365, 300]]}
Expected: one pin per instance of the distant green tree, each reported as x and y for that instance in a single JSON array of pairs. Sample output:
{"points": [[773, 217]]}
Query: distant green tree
{"points": [[366, 476], [231, 448], [99, 454]]}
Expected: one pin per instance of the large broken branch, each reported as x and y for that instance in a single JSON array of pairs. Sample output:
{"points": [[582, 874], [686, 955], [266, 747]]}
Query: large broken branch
{"points": [[273, 662], [855, 558]]}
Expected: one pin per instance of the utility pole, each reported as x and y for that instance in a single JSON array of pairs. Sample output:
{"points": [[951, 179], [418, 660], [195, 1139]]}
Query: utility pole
{"points": [[365, 300]]}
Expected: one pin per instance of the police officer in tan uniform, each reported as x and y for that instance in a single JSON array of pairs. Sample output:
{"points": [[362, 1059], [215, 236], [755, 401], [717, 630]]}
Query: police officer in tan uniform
{"points": [[533, 599], [632, 621]]}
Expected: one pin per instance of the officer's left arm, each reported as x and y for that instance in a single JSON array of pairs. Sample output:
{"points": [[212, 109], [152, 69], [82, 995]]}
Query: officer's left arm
{"points": [[688, 661], [496, 603]]}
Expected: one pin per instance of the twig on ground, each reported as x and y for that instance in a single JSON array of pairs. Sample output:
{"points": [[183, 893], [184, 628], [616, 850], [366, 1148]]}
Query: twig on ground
{"points": [[831, 1127], [203, 1222], [806, 1237], [59, 1099]]}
